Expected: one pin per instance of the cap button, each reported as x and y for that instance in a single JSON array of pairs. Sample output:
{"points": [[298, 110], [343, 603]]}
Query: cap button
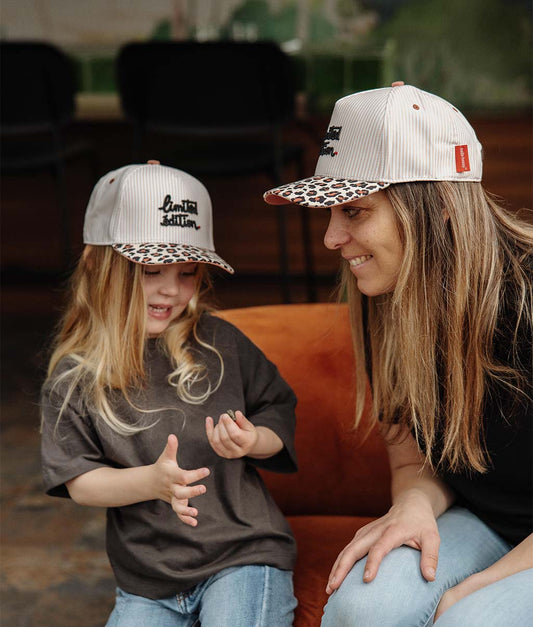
{"points": [[397, 84]]}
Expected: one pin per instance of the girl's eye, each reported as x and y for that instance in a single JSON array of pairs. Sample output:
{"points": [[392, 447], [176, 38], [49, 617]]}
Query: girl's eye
{"points": [[189, 273], [151, 272]]}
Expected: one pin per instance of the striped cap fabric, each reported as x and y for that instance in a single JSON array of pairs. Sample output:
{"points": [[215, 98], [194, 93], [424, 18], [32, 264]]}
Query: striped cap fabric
{"points": [[152, 214], [383, 136]]}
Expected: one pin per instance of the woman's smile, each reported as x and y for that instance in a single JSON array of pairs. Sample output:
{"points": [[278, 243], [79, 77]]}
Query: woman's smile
{"points": [[366, 234]]}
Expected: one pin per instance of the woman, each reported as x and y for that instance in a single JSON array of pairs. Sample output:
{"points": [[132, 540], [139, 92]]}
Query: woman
{"points": [[438, 280]]}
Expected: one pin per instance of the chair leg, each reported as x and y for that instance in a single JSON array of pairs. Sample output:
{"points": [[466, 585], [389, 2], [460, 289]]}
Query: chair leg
{"points": [[61, 186], [307, 243], [283, 254]]}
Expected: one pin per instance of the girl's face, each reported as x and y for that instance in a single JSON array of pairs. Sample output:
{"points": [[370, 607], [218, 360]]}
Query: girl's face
{"points": [[168, 288], [366, 234]]}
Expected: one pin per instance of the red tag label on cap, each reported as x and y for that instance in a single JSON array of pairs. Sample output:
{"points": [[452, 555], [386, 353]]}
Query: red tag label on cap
{"points": [[462, 164]]}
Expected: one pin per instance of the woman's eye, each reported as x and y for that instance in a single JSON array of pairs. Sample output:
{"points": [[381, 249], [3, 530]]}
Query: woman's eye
{"points": [[351, 212], [151, 272]]}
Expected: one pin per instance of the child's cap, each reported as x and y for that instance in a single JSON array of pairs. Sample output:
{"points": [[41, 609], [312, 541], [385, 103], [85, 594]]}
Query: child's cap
{"points": [[152, 214], [383, 136]]}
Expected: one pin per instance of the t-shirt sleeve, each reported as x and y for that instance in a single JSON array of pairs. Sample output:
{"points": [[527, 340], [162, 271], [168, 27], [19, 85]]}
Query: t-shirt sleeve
{"points": [[270, 402], [69, 447]]}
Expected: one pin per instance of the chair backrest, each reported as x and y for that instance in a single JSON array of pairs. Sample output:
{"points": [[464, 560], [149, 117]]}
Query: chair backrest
{"points": [[37, 87], [193, 87], [340, 471]]}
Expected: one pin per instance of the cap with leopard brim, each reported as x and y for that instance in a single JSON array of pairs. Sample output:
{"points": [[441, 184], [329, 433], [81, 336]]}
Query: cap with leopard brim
{"points": [[384, 136], [153, 214]]}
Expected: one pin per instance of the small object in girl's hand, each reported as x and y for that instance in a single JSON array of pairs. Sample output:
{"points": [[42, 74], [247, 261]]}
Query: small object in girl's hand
{"points": [[231, 414]]}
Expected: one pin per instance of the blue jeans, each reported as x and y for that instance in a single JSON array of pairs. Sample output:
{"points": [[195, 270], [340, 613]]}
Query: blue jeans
{"points": [[244, 596], [401, 597]]}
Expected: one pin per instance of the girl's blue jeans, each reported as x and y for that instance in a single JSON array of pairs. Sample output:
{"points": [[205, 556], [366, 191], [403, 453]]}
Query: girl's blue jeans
{"points": [[244, 596], [401, 597]]}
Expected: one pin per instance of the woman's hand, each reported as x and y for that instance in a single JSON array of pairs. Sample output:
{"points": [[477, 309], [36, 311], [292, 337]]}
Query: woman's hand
{"points": [[172, 483], [410, 521]]}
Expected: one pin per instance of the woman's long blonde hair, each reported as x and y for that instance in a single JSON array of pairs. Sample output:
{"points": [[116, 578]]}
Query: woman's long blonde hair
{"points": [[431, 339], [103, 333]]}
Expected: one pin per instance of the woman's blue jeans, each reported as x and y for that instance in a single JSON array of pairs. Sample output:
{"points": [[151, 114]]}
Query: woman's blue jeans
{"points": [[401, 597], [244, 596]]}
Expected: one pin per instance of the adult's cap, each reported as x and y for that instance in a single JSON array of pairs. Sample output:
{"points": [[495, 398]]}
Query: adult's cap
{"points": [[152, 214], [383, 136]]}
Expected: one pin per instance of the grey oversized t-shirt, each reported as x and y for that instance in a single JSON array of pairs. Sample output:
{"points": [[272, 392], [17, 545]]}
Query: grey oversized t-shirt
{"points": [[154, 554]]}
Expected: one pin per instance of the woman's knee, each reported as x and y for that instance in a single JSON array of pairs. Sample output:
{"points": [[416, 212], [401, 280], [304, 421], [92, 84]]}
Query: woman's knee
{"points": [[398, 596]]}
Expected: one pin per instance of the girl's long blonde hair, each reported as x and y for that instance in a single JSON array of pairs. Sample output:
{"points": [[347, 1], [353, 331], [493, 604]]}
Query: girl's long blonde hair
{"points": [[103, 333], [431, 339]]}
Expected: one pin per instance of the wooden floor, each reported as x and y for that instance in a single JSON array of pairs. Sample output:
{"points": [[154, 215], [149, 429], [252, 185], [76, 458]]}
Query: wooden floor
{"points": [[55, 571]]}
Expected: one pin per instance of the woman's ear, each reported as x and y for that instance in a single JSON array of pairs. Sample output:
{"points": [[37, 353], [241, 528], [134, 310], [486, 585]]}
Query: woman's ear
{"points": [[445, 214]]}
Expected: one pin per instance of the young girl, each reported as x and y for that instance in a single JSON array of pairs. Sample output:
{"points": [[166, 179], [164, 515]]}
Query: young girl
{"points": [[438, 278], [139, 374]]}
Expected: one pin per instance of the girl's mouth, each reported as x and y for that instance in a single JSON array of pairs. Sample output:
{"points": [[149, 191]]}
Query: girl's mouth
{"points": [[159, 311]]}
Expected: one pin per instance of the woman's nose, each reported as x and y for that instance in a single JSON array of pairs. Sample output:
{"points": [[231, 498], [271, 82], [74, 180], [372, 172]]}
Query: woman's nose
{"points": [[336, 234]]}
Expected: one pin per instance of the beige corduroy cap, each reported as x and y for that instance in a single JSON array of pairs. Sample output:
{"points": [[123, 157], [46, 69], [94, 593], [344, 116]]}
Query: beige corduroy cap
{"points": [[382, 136]]}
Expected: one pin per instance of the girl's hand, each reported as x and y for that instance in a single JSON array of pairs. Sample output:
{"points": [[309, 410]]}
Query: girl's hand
{"points": [[410, 521], [171, 482], [231, 438]]}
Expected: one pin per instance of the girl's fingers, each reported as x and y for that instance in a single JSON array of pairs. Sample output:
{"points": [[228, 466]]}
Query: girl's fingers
{"points": [[209, 428], [187, 492], [191, 476], [226, 430]]}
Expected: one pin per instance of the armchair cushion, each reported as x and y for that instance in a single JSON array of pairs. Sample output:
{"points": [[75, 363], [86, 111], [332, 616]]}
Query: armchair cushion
{"points": [[343, 478]]}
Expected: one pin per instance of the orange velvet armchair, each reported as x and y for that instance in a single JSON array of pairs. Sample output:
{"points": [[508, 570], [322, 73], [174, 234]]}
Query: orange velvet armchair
{"points": [[343, 478]]}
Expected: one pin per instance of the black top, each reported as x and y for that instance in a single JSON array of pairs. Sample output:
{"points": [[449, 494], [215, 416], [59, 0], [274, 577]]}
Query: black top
{"points": [[502, 496], [154, 554]]}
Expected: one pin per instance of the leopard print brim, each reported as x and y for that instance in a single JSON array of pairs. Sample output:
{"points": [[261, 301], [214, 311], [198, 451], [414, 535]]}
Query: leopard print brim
{"points": [[321, 191], [161, 253]]}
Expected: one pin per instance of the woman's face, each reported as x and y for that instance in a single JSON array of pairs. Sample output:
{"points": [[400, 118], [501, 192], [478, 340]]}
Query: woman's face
{"points": [[168, 288], [365, 233]]}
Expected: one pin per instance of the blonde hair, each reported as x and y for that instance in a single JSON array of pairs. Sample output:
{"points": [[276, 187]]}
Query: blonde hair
{"points": [[431, 339], [103, 333]]}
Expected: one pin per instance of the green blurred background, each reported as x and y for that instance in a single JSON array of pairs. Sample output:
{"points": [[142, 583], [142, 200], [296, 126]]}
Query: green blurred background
{"points": [[476, 53]]}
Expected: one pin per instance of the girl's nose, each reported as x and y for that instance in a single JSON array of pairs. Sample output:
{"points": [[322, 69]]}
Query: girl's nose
{"points": [[336, 234], [170, 286]]}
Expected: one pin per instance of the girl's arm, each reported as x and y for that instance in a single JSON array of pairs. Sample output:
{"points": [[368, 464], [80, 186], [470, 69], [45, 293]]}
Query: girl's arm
{"points": [[238, 438], [418, 498], [520, 558], [165, 480]]}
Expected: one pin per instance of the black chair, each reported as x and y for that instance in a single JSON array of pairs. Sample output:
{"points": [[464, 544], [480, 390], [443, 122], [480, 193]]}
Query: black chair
{"points": [[228, 103], [37, 97]]}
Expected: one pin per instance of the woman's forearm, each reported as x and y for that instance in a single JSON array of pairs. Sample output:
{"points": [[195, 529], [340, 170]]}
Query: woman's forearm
{"points": [[410, 475], [518, 559], [113, 487], [412, 478]]}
